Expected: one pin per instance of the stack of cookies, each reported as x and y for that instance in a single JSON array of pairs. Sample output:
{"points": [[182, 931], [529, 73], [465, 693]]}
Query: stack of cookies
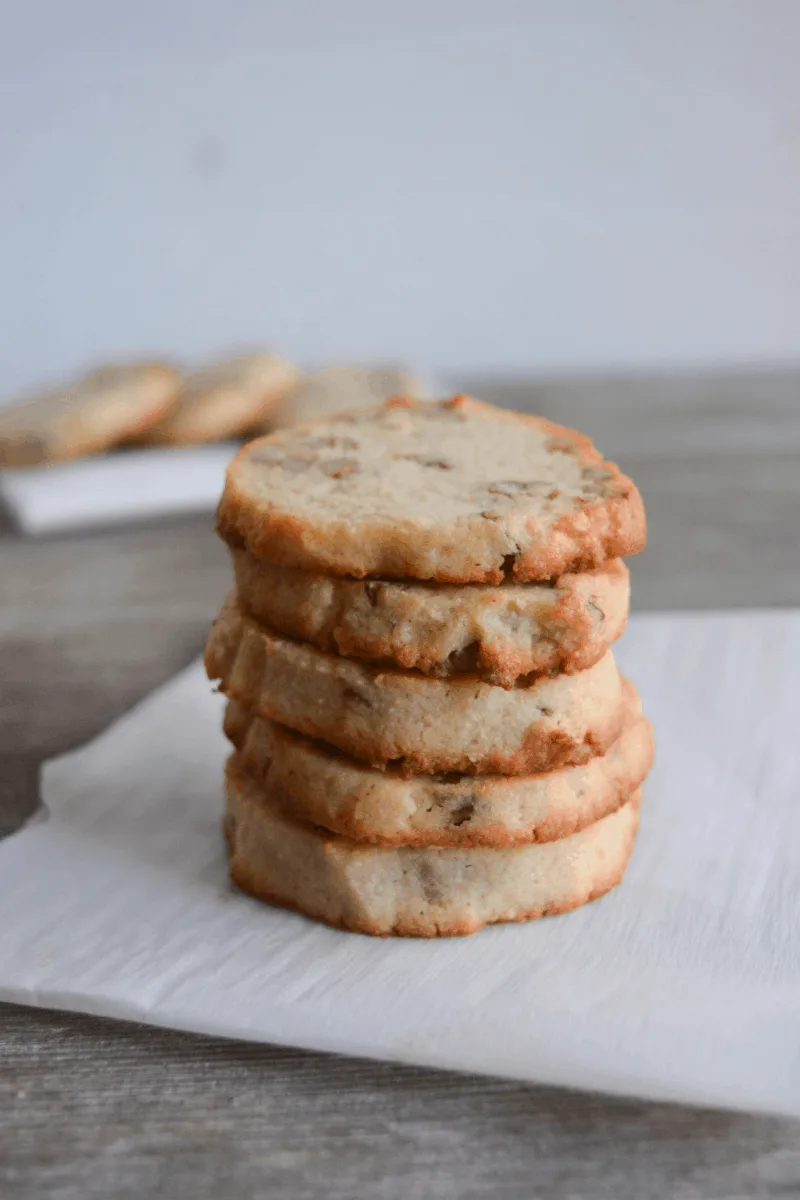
{"points": [[430, 731]]}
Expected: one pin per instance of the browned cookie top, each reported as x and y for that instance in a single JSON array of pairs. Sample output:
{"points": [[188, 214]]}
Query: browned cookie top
{"points": [[455, 491]]}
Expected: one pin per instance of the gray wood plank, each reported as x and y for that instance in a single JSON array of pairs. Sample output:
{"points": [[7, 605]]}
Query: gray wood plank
{"points": [[98, 1108], [689, 415], [91, 623]]}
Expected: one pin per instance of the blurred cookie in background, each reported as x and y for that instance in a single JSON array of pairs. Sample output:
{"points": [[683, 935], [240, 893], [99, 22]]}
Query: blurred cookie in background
{"points": [[109, 405], [226, 400], [337, 388]]}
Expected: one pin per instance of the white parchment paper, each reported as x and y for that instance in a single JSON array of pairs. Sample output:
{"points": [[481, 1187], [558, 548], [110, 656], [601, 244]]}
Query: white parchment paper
{"points": [[684, 984]]}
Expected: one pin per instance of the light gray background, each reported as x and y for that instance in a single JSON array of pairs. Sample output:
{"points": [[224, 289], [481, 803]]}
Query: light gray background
{"points": [[471, 185]]}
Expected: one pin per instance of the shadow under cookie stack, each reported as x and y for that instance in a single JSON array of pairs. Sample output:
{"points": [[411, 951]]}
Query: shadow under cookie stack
{"points": [[430, 731]]}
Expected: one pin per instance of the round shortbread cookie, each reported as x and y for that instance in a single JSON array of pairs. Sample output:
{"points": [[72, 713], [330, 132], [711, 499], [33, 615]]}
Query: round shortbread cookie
{"points": [[410, 721], [98, 411], [227, 399], [326, 788], [336, 389], [410, 891], [453, 491], [496, 632]]}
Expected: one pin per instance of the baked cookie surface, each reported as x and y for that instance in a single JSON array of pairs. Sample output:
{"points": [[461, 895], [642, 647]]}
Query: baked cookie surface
{"points": [[409, 891], [327, 788], [411, 721], [452, 491], [498, 632]]}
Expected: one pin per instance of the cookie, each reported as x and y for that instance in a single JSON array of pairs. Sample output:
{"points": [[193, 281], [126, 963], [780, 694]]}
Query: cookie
{"points": [[227, 399], [336, 389], [410, 721], [328, 789], [454, 491], [415, 892], [98, 411], [496, 632]]}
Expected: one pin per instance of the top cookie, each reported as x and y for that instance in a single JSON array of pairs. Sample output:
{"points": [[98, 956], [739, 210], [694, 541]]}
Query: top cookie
{"points": [[456, 491]]}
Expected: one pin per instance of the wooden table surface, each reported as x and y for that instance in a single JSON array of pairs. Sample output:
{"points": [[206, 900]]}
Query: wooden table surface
{"points": [[94, 1108]]}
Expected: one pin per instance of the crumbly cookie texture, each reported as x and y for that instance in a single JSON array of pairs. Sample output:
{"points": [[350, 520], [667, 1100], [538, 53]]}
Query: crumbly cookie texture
{"points": [[329, 789], [410, 721], [98, 411], [334, 389], [499, 632], [409, 891], [453, 491], [227, 399]]}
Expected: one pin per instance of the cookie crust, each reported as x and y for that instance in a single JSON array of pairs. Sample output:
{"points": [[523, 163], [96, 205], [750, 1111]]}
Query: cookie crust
{"points": [[454, 491], [332, 790], [410, 892], [412, 722], [495, 632]]}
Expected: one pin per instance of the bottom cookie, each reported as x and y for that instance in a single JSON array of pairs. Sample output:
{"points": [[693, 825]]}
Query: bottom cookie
{"points": [[415, 891]]}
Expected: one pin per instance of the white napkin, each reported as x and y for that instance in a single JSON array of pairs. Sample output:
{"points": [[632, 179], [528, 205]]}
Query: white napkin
{"points": [[682, 985], [128, 486]]}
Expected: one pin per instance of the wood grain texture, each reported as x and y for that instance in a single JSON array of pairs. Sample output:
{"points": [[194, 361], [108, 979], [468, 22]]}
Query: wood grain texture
{"points": [[99, 1108], [89, 624]]}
